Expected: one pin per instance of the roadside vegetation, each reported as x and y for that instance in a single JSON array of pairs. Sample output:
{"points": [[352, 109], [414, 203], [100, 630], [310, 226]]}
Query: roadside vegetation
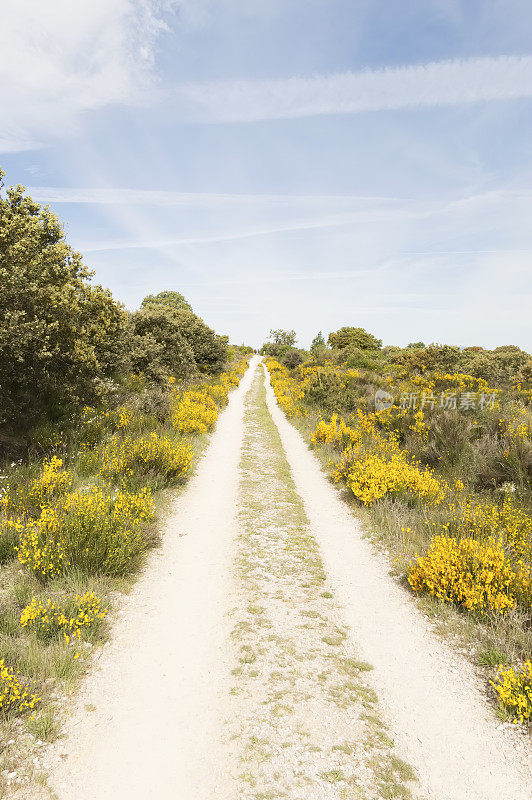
{"points": [[433, 446], [102, 411]]}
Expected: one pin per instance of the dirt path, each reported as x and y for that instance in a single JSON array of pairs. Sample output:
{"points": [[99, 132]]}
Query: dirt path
{"points": [[238, 666]]}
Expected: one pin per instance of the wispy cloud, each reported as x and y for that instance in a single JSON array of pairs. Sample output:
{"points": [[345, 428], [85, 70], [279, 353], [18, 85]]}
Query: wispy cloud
{"points": [[230, 236], [121, 196], [437, 83], [57, 62]]}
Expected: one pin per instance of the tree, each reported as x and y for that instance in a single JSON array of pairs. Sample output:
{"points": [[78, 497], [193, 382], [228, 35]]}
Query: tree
{"points": [[441, 357], [318, 343], [59, 334], [169, 298], [357, 358], [175, 339], [504, 365], [210, 349], [354, 337], [280, 336], [157, 347]]}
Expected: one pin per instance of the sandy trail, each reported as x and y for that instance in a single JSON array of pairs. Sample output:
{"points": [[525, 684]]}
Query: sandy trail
{"points": [[158, 689], [431, 698]]}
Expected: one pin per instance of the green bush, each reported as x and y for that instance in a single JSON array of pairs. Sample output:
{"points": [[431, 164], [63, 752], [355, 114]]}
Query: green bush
{"points": [[157, 347]]}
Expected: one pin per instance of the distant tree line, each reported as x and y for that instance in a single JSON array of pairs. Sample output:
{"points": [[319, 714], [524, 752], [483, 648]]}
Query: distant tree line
{"points": [[504, 366]]}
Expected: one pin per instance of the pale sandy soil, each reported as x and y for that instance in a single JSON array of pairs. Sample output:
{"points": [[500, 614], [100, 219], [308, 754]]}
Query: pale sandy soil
{"points": [[235, 668]]}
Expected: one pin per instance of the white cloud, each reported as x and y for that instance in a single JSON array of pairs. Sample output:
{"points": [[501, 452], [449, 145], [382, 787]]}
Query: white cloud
{"points": [[432, 84], [59, 59], [119, 196]]}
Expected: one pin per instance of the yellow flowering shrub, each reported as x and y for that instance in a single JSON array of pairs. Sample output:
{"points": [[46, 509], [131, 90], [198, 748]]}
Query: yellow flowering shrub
{"points": [[123, 459], [476, 575], [373, 477], [93, 532], [124, 415], [514, 690], [237, 372], [218, 391], [48, 618], [339, 434], [52, 482], [14, 697], [461, 382], [40, 548], [486, 518], [287, 390], [194, 412]]}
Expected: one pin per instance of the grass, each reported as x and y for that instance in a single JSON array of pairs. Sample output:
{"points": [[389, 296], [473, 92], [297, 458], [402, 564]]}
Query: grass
{"points": [[44, 726]]}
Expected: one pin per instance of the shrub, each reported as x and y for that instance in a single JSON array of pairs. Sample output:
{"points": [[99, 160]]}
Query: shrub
{"points": [[49, 619], [514, 689], [194, 412], [354, 337], [208, 349], [340, 435], [92, 532], [14, 697], [287, 390], [293, 357], [450, 440], [218, 391], [125, 459], [23, 496], [373, 477], [53, 482], [170, 299], [476, 575], [485, 518]]}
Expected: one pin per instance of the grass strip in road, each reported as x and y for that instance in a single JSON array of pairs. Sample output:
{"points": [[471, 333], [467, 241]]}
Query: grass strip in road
{"points": [[306, 719]]}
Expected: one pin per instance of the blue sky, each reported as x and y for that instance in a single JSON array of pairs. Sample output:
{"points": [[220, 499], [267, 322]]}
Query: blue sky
{"points": [[286, 164]]}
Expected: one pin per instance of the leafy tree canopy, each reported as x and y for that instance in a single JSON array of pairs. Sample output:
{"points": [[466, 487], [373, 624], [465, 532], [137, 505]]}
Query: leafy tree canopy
{"points": [[280, 336], [318, 343], [354, 337], [157, 347], [176, 340], [169, 298], [59, 334]]}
